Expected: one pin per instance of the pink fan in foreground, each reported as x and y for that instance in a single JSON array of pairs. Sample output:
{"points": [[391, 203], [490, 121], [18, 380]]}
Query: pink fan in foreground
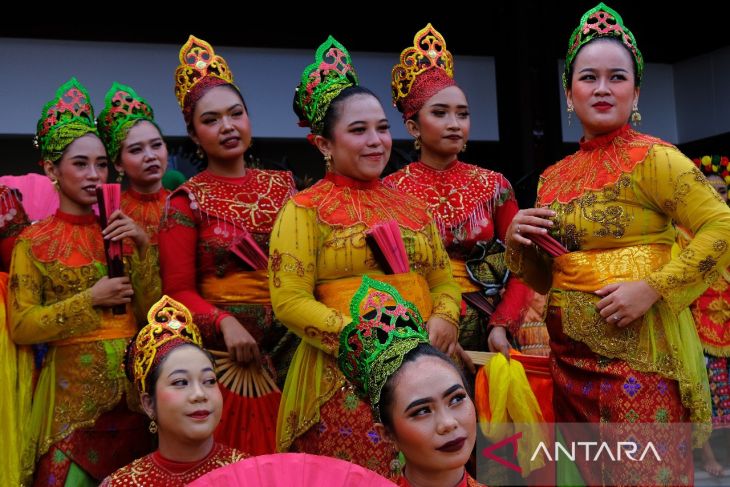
{"points": [[292, 470]]}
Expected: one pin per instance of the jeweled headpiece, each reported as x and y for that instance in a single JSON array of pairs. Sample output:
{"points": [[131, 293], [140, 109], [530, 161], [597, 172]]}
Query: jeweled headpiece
{"points": [[384, 329], [424, 69], [601, 21], [123, 107], [714, 166], [64, 119], [200, 69], [321, 82], [169, 325]]}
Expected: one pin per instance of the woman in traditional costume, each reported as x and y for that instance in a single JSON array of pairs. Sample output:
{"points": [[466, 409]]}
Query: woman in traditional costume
{"points": [[136, 148], [81, 427], [319, 252], [214, 237], [472, 206], [624, 349], [419, 398], [176, 381]]}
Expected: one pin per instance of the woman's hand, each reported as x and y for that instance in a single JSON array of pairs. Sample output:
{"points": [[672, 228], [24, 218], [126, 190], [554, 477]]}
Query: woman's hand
{"points": [[442, 334], [121, 226], [497, 341], [111, 291], [531, 221], [625, 302], [240, 344]]}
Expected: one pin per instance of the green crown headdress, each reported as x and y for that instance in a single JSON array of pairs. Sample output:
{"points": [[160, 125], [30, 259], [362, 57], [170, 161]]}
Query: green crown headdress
{"points": [[123, 107], [64, 119], [321, 82], [601, 21], [384, 329]]}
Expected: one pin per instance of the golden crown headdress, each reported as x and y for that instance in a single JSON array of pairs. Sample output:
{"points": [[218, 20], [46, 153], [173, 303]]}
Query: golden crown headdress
{"points": [[198, 61], [169, 324], [427, 52]]}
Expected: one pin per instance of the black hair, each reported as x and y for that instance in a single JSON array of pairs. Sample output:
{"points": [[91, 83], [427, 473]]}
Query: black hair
{"points": [[388, 392], [569, 69]]}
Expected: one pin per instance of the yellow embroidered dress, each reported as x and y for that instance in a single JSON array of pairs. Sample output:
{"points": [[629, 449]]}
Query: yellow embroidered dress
{"points": [[711, 313], [615, 200], [76, 410], [318, 254], [15, 362]]}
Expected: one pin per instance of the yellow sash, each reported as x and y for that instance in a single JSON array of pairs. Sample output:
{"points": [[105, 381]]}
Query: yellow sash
{"points": [[661, 341], [314, 376], [413, 287], [251, 287], [458, 268], [112, 326], [589, 270]]}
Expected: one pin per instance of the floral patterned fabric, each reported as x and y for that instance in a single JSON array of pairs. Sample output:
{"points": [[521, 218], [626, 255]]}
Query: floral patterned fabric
{"points": [[470, 204]]}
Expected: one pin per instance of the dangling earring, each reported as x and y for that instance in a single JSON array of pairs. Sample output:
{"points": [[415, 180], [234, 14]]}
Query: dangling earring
{"points": [[120, 176], [153, 427], [328, 162], [199, 152], [397, 464], [417, 143], [463, 149], [635, 115], [55, 184], [570, 111]]}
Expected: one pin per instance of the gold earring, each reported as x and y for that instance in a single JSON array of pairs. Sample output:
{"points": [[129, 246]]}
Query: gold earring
{"points": [[635, 115], [328, 162], [55, 184], [463, 149], [199, 152], [397, 464], [120, 176], [417, 143], [153, 427], [570, 111]]}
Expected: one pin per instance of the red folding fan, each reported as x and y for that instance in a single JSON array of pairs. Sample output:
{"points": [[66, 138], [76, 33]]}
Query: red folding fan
{"points": [[109, 197], [389, 242]]}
